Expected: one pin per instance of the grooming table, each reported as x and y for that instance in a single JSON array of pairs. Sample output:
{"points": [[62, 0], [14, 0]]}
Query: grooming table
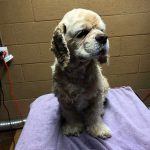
{"points": [[127, 117]]}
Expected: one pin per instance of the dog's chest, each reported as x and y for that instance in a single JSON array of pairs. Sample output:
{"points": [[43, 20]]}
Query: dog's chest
{"points": [[78, 88], [82, 96]]}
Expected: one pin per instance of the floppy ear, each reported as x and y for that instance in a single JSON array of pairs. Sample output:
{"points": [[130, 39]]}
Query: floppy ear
{"points": [[59, 46]]}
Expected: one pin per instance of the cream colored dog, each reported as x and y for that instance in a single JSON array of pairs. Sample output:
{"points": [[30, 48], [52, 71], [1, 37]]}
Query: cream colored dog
{"points": [[80, 45]]}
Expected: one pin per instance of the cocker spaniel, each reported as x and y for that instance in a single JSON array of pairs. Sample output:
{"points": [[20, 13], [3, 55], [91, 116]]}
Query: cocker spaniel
{"points": [[80, 45]]}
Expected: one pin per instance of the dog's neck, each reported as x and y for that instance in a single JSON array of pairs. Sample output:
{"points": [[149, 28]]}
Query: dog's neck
{"points": [[80, 71]]}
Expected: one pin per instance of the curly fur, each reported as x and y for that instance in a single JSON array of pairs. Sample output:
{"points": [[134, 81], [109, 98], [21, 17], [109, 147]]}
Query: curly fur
{"points": [[77, 77]]}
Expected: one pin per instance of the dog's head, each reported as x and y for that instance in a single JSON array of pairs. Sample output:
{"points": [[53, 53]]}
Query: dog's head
{"points": [[80, 35]]}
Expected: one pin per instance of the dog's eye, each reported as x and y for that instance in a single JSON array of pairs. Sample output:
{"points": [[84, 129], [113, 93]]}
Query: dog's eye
{"points": [[82, 33]]}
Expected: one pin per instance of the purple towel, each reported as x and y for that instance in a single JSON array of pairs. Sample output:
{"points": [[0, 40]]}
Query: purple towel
{"points": [[125, 114]]}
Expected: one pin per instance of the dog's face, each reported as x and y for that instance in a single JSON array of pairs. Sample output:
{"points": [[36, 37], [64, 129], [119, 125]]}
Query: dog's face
{"points": [[81, 35]]}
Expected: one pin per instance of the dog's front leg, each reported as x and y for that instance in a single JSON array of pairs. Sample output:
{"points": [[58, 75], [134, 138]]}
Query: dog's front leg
{"points": [[94, 123], [73, 124]]}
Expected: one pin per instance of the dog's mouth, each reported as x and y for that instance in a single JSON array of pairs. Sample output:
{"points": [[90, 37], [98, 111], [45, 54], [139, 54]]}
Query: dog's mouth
{"points": [[102, 56], [102, 59]]}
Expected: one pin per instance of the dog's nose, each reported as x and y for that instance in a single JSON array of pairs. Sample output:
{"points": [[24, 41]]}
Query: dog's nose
{"points": [[101, 39]]}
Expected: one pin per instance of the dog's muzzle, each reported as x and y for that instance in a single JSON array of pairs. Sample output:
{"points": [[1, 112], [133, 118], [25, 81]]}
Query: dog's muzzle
{"points": [[102, 54], [102, 40]]}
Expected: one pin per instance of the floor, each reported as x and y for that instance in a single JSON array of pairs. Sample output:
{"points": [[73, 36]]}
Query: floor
{"points": [[6, 139]]}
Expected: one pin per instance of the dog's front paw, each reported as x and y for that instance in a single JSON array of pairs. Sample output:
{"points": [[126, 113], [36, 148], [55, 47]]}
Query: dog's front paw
{"points": [[99, 130], [72, 129]]}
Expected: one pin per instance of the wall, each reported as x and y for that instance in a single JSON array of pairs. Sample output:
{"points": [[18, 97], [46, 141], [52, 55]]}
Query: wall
{"points": [[27, 25]]}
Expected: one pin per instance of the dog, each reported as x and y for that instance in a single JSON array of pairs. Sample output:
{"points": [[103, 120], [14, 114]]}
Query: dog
{"points": [[80, 45]]}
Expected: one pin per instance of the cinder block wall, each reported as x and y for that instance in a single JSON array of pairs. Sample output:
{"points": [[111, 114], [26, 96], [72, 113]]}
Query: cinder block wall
{"points": [[27, 25]]}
